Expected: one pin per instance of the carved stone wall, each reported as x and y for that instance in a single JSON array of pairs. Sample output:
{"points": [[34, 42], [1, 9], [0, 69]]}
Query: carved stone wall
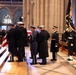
{"points": [[44, 12]]}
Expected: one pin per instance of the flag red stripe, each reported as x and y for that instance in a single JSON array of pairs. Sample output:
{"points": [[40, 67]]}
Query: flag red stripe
{"points": [[6, 43]]}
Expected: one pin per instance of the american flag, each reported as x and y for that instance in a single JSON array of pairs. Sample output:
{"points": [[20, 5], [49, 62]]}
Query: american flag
{"points": [[29, 32], [5, 42], [69, 20]]}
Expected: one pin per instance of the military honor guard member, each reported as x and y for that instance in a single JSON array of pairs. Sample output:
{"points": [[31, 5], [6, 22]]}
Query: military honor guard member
{"points": [[54, 43], [22, 41], [70, 42], [33, 44], [43, 45], [11, 42], [70, 36]]}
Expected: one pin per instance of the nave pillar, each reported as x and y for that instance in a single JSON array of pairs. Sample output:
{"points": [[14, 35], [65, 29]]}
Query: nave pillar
{"points": [[44, 12]]}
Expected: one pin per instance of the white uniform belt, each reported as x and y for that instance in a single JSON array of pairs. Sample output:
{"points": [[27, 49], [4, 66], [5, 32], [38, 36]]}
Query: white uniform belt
{"points": [[70, 38]]}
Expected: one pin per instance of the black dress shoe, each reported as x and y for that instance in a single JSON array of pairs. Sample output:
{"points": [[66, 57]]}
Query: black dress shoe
{"points": [[10, 61], [33, 63], [19, 61], [42, 63], [70, 59], [24, 59], [38, 58], [53, 59], [30, 57]]}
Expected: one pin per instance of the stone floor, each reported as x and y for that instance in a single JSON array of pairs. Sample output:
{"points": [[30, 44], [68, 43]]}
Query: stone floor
{"points": [[59, 67], [64, 57]]}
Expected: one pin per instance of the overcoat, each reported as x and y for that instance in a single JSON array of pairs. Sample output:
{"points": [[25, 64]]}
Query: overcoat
{"points": [[11, 40], [33, 43], [22, 33], [43, 44]]}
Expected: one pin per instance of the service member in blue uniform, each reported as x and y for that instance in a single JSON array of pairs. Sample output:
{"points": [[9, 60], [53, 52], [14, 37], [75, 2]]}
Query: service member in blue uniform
{"points": [[54, 48], [33, 44]]}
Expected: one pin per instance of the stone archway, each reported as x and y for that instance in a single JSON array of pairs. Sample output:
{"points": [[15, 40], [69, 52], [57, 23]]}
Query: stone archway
{"points": [[3, 13], [17, 15]]}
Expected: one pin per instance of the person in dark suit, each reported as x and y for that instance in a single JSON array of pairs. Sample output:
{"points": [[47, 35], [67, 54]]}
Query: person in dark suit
{"points": [[11, 42], [21, 42], [43, 45], [33, 44], [54, 43]]}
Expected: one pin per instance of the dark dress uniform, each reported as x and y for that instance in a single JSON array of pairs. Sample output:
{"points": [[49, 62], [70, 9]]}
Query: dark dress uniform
{"points": [[11, 42], [43, 45], [70, 44], [16, 35], [33, 46], [54, 45], [74, 41], [21, 42], [70, 36], [38, 33]]}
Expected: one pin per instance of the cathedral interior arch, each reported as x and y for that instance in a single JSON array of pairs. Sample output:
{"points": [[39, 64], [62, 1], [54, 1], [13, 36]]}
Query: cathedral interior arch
{"points": [[17, 16], [4, 12]]}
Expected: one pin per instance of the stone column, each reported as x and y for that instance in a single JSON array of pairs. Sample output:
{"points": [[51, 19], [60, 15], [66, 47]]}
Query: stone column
{"points": [[23, 9], [26, 13], [44, 12], [35, 13]]}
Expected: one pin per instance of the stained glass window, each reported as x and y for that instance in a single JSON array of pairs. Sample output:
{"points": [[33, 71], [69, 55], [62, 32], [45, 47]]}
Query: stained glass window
{"points": [[7, 19]]}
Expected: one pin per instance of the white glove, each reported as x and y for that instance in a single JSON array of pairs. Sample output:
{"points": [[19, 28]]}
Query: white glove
{"points": [[56, 45], [71, 44]]}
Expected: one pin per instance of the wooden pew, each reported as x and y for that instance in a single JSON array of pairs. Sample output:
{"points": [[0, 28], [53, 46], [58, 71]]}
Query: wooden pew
{"points": [[63, 45], [14, 68]]}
